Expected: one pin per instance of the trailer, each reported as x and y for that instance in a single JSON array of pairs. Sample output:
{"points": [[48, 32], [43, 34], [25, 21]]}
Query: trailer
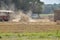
{"points": [[57, 15]]}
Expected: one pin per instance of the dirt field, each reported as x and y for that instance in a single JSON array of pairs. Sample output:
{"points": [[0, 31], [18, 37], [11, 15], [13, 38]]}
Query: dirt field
{"points": [[29, 31], [28, 27]]}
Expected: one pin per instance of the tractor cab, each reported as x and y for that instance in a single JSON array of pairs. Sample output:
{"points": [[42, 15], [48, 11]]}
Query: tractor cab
{"points": [[4, 15]]}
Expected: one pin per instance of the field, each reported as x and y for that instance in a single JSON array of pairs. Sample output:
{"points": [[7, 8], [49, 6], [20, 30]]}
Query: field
{"points": [[29, 31]]}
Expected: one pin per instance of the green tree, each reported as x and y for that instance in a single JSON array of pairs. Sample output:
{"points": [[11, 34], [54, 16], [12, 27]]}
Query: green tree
{"points": [[34, 5], [28, 4]]}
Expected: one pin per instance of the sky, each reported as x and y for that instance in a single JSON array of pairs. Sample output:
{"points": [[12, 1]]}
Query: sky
{"points": [[51, 1]]}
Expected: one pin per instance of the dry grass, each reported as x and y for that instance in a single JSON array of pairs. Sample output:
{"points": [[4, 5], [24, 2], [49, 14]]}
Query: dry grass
{"points": [[27, 27]]}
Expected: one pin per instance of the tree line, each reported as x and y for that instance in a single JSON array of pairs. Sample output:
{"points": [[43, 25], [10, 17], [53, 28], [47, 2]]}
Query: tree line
{"points": [[25, 5]]}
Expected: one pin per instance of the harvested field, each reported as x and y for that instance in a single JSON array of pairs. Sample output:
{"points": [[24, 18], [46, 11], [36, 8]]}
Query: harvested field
{"points": [[28, 27], [29, 31]]}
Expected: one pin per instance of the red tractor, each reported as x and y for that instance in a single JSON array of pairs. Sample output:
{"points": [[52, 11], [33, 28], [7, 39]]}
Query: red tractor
{"points": [[4, 18]]}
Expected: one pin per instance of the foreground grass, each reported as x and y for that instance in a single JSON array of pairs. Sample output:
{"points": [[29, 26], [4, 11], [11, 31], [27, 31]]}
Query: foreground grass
{"points": [[54, 35]]}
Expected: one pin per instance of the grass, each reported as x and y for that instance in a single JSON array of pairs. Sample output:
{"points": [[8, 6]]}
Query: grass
{"points": [[53, 35]]}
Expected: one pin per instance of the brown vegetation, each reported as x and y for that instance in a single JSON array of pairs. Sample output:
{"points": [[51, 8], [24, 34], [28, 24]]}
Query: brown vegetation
{"points": [[27, 27]]}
